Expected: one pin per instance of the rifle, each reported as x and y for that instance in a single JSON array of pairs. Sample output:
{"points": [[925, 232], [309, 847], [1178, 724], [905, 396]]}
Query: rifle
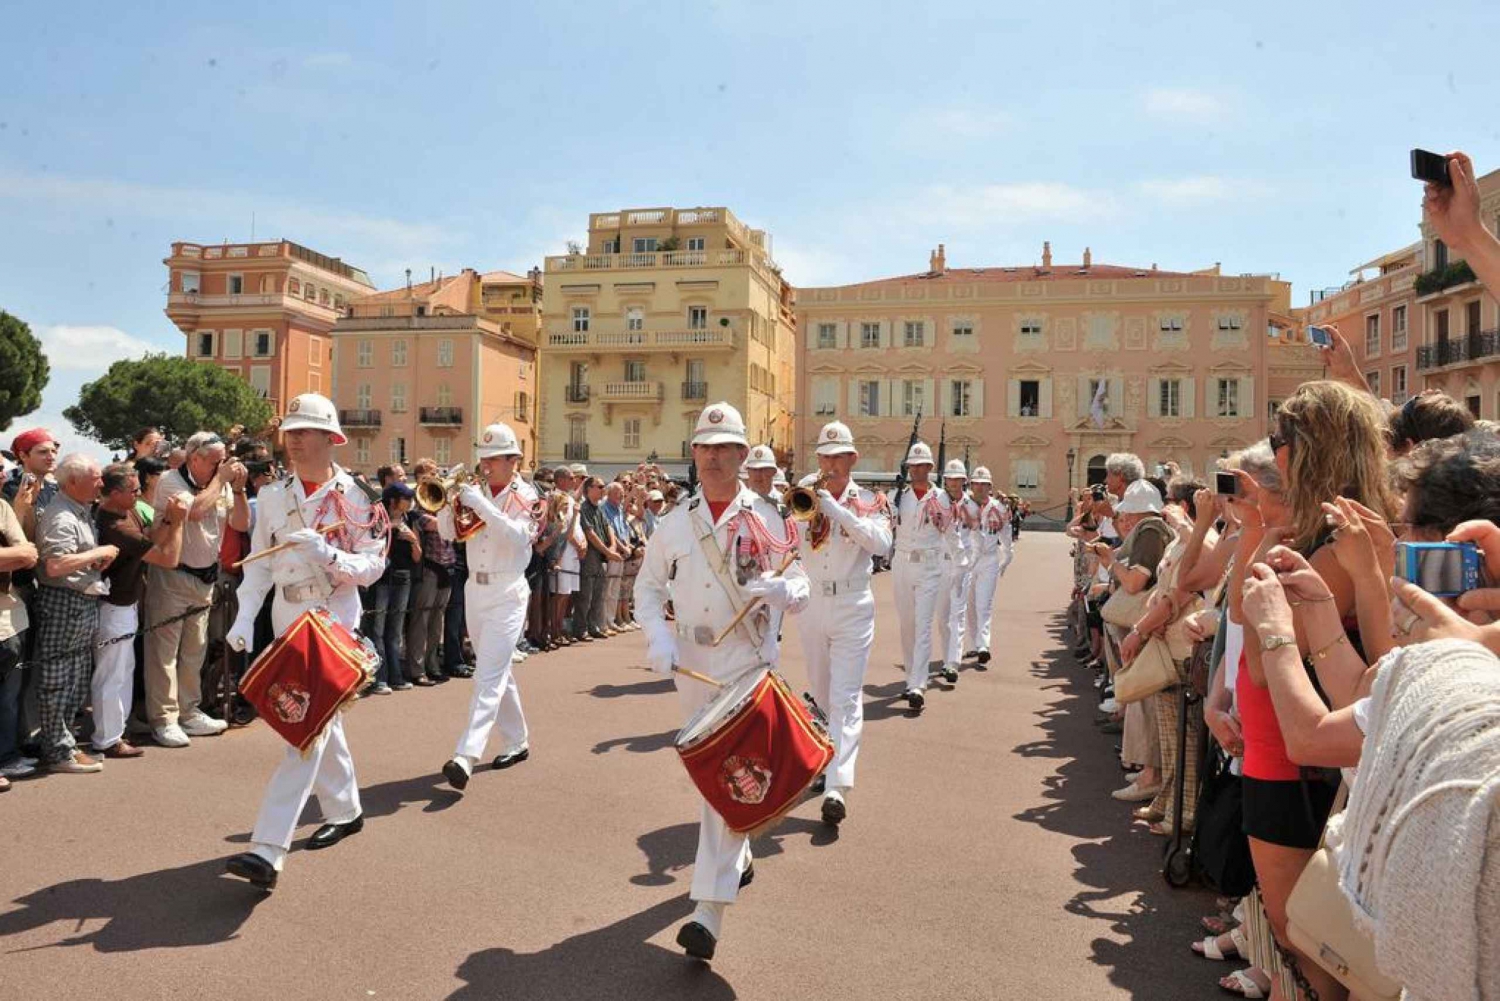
{"points": [[901, 476], [942, 456]]}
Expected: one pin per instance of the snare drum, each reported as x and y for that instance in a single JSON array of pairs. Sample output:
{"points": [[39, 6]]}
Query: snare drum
{"points": [[754, 750], [307, 675]]}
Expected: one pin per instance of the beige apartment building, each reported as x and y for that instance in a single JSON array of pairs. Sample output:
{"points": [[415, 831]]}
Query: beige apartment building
{"points": [[422, 369], [1377, 311], [1041, 371], [663, 311], [263, 311]]}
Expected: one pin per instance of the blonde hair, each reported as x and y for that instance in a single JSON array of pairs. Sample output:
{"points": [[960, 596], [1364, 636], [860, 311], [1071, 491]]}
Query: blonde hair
{"points": [[1337, 444]]}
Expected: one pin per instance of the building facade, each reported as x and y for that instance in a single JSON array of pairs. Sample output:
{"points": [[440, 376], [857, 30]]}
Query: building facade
{"points": [[663, 311], [1379, 315], [1040, 372], [421, 370], [263, 311]]}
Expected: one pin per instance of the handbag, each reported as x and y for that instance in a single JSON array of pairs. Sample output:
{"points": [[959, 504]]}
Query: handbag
{"points": [[1124, 609], [1320, 922], [1221, 852], [1152, 671]]}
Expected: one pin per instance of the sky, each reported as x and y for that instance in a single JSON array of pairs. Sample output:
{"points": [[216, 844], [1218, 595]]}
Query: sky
{"points": [[1268, 137]]}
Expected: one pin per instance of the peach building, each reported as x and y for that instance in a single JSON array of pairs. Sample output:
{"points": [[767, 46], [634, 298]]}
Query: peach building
{"points": [[663, 311], [262, 310], [421, 370], [1041, 371]]}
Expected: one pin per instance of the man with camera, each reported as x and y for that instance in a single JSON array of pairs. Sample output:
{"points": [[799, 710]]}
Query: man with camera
{"points": [[179, 598]]}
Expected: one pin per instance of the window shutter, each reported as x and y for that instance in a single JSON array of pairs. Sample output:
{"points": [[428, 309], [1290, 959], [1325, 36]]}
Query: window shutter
{"points": [[885, 333], [1115, 405], [1044, 397], [1013, 398], [977, 399], [854, 410], [1189, 397], [1085, 398], [1153, 397], [889, 389], [1247, 396], [929, 400]]}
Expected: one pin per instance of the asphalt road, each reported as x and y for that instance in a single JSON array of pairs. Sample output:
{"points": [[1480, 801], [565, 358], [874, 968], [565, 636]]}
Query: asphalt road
{"points": [[982, 857]]}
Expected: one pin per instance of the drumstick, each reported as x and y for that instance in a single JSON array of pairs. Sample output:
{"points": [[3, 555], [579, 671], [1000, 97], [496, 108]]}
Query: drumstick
{"points": [[283, 545], [755, 601], [690, 674]]}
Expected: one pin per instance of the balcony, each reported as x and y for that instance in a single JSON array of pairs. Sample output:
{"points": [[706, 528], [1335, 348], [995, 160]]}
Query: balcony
{"points": [[359, 418], [442, 416], [632, 392], [1440, 279], [695, 390], [576, 392], [639, 341], [1458, 350], [576, 451], [193, 301]]}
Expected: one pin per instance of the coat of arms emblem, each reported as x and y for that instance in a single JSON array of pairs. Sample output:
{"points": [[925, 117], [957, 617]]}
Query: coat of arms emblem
{"points": [[715, 416], [747, 779], [288, 703]]}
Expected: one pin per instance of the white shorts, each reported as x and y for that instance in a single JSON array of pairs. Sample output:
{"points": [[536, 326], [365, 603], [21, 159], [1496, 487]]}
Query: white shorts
{"points": [[565, 577]]}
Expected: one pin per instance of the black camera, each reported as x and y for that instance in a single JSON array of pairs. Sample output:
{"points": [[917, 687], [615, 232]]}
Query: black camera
{"points": [[1097, 491], [257, 469]]}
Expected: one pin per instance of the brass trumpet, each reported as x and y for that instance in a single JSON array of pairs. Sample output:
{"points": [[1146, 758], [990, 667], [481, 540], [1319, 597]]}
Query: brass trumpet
{"points": [[802, 502], [436, 492]]}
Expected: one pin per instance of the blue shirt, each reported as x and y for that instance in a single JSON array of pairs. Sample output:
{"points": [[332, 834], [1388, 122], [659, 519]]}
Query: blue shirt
{"points": [[616, 516]]}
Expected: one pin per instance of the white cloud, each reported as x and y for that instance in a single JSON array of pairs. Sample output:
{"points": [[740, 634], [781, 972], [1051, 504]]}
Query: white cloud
{"points": [[1182, 102], [88, 348], [1200, 189]]}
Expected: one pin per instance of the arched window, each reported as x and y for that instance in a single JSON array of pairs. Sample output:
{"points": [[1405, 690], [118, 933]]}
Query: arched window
{"points": [[1096, 469]]}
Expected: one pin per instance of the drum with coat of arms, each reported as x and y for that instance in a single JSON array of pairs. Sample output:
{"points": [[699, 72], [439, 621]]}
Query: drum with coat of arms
{"points": [[307, 675]]}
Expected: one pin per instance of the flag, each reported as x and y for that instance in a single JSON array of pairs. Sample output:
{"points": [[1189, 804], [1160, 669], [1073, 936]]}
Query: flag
{"points": [[1096, 409]]}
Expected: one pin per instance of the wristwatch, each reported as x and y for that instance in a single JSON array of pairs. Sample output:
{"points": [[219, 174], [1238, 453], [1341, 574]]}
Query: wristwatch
{"points": [[1276, 642]]}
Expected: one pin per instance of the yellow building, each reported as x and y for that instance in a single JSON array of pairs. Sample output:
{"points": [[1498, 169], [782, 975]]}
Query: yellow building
{"points": [[662, 312]]}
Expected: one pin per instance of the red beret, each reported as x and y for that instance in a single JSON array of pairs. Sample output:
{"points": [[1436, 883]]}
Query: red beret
{"points": [[27, 440]]}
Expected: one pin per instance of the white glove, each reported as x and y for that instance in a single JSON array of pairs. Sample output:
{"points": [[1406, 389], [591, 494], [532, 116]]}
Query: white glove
{"points": [[312, 545], [773, 591], [831, 508], [661, 652], [241, 634], [471, 496]]}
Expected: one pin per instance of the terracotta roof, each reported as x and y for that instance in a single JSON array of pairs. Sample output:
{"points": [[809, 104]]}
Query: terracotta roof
{"points": [[1032, 273], [504, 277], [418, 290]]}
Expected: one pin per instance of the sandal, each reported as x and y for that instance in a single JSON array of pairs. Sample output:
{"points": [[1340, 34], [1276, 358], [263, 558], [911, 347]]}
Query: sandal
{"points": [[1240, 983], [1209, 947], [1218, 924]]}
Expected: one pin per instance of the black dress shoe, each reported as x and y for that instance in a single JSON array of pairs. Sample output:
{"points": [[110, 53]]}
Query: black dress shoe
{"points": [[915, 700], [437, 679], [748, 876], [331, 834], [819, 784], [984, 657], [455, 774], [250, 866], [697, 941], [950, 675], [514, 758], [834, 812]]}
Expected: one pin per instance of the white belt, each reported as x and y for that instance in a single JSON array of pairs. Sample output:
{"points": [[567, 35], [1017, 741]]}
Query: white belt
{"points": [[298, 593], [492, 577], [830, 588], [924, 555]]}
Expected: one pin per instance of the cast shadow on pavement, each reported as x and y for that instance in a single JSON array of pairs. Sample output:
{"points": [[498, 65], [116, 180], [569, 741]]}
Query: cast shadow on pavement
{"points": [[660, 687], [1119, 864], [167, 909], [642, 743], [885, 702], [670, 850], [615, 962]]}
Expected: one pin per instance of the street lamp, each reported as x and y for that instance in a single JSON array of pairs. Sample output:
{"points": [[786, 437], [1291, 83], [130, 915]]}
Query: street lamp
{"points": [[1072, 457]]}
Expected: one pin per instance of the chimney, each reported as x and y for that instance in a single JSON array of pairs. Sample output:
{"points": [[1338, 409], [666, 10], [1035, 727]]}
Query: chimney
{"points": [[408, 279], [1153, 265], [431, 273], [1088, 257], [1047, 255], [938, 262]]}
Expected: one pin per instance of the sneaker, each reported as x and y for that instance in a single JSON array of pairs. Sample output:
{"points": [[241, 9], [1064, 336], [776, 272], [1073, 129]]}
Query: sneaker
{"points": [[200, 725], [171, 735], [379, 688], [1134, 793], [1109, 707], [78, 764], [517, 657], [17, 769]]}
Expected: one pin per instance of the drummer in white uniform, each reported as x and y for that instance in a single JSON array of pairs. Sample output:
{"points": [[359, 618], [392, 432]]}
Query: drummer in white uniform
{"points": [[318, 571], [951, 616], [709, 557], [991, 539], [838, 627], [495, 599], [919, 564]]}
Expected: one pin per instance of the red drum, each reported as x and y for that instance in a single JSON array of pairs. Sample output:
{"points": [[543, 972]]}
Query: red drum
{"points": [[306, 676], [754, 750]]}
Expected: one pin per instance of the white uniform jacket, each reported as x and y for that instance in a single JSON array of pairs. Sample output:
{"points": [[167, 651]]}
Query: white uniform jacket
{"points": [[926, 525], [678, 568], [852, 539], [503, 547], [994, 523], [282, 508], [965, 525]]}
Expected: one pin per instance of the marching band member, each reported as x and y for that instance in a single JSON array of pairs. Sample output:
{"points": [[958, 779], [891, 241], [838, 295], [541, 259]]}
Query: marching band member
{"points": [[923, 551], [1008, 537], [495, 600], [318, 570], [838, 627], [780, 484], [761, 472], [709, 557], [991, 540], [951, 613]]}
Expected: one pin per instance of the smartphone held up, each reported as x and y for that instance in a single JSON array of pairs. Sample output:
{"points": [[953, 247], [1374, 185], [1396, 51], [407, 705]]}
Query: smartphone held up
{"points": [[1430, 167]]}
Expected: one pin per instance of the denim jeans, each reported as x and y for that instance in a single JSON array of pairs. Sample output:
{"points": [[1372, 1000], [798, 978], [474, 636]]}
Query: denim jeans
{"points": [[453, 622], [10, 695], [388, 624]]}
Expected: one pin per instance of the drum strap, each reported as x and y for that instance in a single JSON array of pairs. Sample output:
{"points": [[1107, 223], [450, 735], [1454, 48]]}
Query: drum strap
{"points": [[718, 563]]}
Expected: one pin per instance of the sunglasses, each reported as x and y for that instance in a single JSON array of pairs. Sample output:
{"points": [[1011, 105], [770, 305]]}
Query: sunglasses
{"points": [[1278, 440]]}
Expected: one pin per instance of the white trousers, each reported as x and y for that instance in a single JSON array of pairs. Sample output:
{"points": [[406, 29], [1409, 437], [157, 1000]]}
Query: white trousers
{"points": [[495, 614], [113, 687], [917, 586], [327, 769], [722, 854], [1007, 549], [951, 612], [987, 572], [837, 633]]}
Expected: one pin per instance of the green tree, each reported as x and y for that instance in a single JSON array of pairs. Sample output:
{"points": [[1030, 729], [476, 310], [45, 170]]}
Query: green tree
{"points": [[175, 394], [23, 370]]}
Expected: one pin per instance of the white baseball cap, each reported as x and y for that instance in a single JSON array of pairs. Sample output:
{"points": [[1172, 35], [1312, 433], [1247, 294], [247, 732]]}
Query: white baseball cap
{"points": [[981, 475], [835, 439], [720, 424], [920, 455], [314, 411], [761, 457], [655, 495], [498, 439], [955, 470], [1140, 498]]}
